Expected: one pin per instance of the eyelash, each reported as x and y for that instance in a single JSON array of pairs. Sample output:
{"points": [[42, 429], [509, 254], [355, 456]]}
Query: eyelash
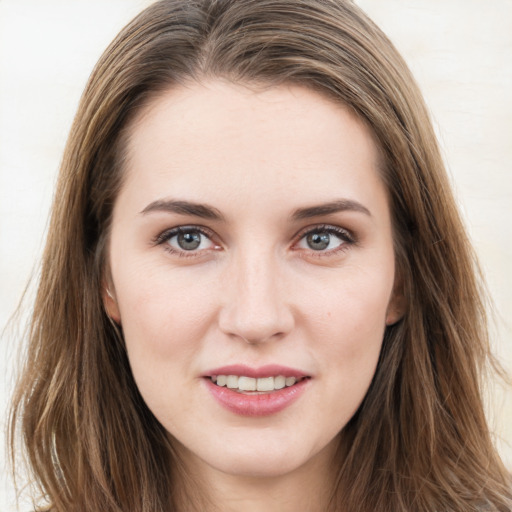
{"points": [[344, 235], [348, 239], [168, 234]]}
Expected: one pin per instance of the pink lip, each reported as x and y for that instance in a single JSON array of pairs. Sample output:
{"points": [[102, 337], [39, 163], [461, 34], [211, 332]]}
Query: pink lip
{"points": [[255, 404], [269, 370]]}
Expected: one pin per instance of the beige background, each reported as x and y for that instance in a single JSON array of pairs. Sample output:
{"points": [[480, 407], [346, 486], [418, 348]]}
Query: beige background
{"points": [[459, 50]]}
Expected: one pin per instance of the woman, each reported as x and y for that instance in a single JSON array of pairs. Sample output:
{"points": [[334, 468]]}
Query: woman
{"points": [[256, 292]]}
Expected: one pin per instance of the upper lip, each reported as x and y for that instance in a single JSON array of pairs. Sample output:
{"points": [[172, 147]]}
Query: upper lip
{"points": [[269, 370]]}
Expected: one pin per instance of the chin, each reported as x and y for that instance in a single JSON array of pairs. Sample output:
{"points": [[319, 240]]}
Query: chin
{"points": [[266, 459], [266, 466]]}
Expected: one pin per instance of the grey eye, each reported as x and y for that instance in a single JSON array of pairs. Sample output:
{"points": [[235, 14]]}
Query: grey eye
{"points": [[324, 239], [318, 241], [189, 241]]}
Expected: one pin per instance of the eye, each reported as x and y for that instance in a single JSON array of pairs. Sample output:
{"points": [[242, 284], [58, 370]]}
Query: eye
{"points": [[325, 239], [187, 239]]}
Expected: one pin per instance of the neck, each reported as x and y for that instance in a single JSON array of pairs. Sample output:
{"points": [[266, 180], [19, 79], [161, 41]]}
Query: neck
{"points": [[307, 488]]}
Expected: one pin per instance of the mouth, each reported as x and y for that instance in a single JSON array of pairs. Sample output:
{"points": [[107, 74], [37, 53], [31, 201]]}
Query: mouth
{"points": [[263, 391], [252, 385]]}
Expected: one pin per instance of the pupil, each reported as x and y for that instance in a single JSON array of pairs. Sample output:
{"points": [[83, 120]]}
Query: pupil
{"points": [[318, 241], [189, 241]]}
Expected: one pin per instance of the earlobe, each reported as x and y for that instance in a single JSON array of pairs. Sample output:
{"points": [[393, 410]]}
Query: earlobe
{"points": [[397, 305], [394, 315], [110, 304]]}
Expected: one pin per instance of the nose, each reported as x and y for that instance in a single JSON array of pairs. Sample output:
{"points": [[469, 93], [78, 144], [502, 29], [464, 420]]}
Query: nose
{"points": [[255, 308]]}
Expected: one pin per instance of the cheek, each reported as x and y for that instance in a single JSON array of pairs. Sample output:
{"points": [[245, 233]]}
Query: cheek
{"points": [[352, 303], [164, 323], [163, 314], [352, 354], [347, 320]]}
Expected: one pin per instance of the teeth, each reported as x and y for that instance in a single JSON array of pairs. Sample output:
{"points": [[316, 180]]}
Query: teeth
{"points": [[290, 381], [279, 382], [266, 384], [243, 383], [246, 383], [232, 381]]}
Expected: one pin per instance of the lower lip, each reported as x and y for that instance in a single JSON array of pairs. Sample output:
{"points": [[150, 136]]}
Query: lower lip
{"points": [[263, 404]]}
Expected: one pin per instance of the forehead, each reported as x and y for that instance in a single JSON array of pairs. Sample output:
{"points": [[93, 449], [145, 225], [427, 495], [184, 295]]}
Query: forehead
{"points": [[219, 138]]}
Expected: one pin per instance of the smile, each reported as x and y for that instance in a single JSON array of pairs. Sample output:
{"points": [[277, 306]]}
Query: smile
{"points": [[263, 391], [243, 383]]}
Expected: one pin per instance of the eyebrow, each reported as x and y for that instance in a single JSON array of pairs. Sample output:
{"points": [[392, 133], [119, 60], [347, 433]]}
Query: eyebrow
{"points": [[203, 211], [340, 205]]}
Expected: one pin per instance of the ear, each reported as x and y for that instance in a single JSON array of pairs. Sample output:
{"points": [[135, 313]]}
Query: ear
{"points": [[110, 303], [397, 304]]}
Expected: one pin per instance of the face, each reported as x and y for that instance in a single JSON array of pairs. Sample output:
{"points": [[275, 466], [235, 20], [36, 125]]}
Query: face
{"points": [[252, 271]]}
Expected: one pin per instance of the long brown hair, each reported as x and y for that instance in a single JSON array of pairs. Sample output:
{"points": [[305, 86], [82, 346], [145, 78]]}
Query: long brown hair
{"points": [[419, 441]]}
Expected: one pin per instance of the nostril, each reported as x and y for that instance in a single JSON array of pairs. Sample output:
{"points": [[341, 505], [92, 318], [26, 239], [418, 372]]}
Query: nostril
{"points": [[257, 340], [255, 317]]}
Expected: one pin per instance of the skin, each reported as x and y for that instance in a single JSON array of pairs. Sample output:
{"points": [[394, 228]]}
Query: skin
{"points": [[254, 292]]}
